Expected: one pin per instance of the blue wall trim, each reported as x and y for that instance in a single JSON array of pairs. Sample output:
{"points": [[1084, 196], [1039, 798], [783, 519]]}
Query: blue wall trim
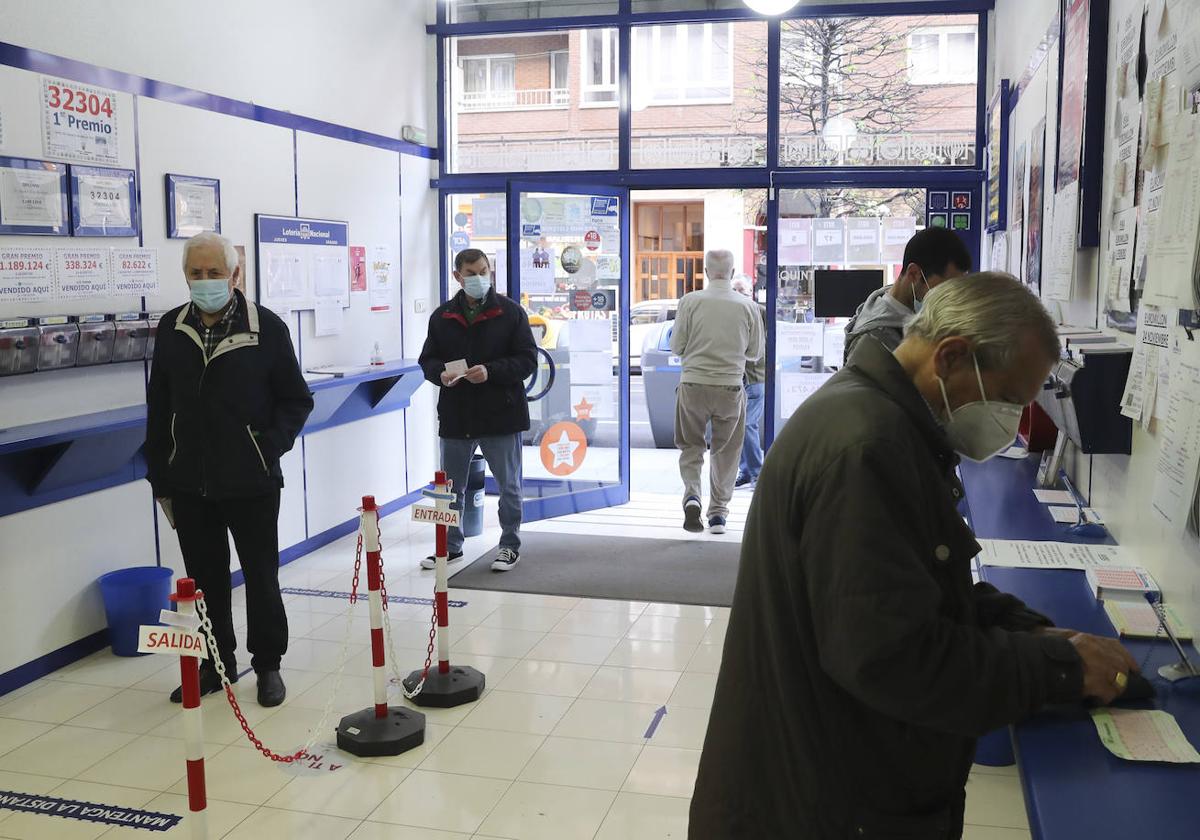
{"points": [[329, 535], [42, 62], [51, 662], [24, 674]]}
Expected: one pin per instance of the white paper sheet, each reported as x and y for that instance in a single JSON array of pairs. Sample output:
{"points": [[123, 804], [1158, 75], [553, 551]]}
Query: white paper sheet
{"points": [[1049, 555], [331, 274], [1172, 258], [834, 346], [195, 208], [999, 255], [104, 201], [795, 388], [792, 341], [1119, 258], [381, 278], [795, 242], [1179, 441], [328, 317], [537, 270], [592, 368], [135, 271], [896, 233], [26, 275], [1059, 276], [829, 241], [82, 272], [1070, 515], [595, 402], [590, 335], [1153, 335], [1054, 497], [862, 241]]}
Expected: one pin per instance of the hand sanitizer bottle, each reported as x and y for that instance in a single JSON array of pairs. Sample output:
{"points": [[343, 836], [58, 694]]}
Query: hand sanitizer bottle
{"points": [[376, 355]]}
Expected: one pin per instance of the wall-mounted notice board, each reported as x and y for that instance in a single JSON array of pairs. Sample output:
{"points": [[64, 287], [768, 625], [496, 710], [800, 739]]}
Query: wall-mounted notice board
{"points": [[301, 262]]}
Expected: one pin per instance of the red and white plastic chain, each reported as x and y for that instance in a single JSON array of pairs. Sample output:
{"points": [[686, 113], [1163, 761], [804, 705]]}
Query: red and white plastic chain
{"points": [[357, 569], [387, 620], [207, 628]]}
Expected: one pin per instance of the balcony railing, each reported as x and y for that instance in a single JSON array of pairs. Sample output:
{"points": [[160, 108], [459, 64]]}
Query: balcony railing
{"points": [[948, 148], [530, 99]]}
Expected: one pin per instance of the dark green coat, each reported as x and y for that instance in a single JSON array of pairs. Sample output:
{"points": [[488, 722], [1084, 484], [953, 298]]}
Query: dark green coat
{"points": [[861, 662]]}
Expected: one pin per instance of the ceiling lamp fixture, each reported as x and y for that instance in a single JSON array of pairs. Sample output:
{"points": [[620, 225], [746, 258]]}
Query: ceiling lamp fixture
{"points": [[771, 7]]}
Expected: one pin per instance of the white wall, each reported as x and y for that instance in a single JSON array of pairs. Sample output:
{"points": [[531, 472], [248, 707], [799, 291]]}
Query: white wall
{"points": [[358, 64], [369, 67], [1120, 487]]}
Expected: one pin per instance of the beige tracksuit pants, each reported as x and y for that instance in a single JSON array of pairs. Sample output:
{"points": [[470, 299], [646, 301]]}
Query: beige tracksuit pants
{"points": [[724, 408]]}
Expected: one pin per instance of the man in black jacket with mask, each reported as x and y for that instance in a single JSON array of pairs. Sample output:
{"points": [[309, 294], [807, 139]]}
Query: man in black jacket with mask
{"points": [[484, 405], [226, 400], [861, 663]]}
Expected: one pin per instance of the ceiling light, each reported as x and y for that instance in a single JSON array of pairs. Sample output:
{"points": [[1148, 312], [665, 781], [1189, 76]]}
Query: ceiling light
{"points": [[771, 7]]}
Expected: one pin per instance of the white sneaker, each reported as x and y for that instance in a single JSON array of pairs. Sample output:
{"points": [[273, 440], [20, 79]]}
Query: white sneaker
{"points": [[505, 560]]}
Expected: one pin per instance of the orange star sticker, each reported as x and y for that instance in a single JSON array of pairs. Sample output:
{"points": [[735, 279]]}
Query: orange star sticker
{"points": [[583, 411]]}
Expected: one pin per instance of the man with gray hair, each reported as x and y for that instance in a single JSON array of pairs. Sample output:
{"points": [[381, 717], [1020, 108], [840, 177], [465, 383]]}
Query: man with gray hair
{"points": [[717, 332], [226, 400], [861, 662]]}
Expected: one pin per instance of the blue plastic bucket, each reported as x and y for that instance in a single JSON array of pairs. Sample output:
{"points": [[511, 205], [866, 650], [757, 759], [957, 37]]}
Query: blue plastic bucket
{"points": [[995, 749], [133, 597]]}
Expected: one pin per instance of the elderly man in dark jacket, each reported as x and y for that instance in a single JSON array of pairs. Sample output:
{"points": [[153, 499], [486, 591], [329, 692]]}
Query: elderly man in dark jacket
{"points": [[482, 405], [861, 663], [226, 400]]}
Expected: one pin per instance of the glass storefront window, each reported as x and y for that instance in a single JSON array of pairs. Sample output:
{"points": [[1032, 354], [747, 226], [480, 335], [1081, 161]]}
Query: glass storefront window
{"points": [[823, 229], [879, 91], [644, 6], [477, 11], [699, 95], [478, 220], [533, 101]]}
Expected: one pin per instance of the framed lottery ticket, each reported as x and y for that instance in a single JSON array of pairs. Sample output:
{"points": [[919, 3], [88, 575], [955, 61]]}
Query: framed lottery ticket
{"points": [[33, 197], [193, 206], [103, 201]]}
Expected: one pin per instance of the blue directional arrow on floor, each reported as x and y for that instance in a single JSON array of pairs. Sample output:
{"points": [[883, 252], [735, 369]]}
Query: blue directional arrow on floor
{"points": [[658, 716]]}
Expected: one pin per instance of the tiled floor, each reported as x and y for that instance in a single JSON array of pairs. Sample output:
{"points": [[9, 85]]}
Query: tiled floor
{"points": [[555, 749]]}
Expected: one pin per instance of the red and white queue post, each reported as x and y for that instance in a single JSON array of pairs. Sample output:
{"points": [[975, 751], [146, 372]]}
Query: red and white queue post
{"points": [[193, 726], [450, 685]]}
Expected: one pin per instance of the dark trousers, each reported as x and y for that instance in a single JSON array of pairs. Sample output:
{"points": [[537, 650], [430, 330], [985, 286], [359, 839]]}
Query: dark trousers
{"points": [[204, 526]]}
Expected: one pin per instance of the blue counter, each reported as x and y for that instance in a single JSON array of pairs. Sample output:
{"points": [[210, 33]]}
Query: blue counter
{"points": [[47, 462], [1075, 789]]}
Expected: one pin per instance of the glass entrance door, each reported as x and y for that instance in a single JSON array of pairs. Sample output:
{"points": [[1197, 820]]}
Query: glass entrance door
{"points": [[568, 266]]}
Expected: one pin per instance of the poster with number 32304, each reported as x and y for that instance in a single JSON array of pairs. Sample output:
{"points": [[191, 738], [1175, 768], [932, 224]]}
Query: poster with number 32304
{"points": [[79, 122]]}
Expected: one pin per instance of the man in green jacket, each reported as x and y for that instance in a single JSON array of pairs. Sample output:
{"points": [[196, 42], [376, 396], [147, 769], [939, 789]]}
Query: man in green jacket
{"points": [[861, 662]]}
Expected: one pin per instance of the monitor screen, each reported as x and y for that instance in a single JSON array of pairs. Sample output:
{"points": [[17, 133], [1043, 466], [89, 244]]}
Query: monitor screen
{"points": [[838, 294]]}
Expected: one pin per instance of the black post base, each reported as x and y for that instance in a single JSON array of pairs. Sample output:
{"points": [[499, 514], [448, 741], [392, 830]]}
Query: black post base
{"points": [[363, 734], [445, 691]]}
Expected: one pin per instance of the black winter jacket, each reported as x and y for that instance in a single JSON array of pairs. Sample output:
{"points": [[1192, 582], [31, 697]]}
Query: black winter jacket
{"points": [[861, 663], [219, 429], [501, 341]]}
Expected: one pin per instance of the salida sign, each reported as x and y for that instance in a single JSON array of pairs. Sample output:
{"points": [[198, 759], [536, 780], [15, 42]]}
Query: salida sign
{"points": [[153, 639]]}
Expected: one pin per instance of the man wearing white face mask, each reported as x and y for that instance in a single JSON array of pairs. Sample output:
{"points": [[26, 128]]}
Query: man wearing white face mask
{"points": [[226, 399], [860, 661]]}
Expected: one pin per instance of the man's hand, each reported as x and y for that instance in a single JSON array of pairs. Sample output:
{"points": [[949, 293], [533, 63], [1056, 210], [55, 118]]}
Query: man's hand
{"points": [[477, 375], [1103, 659], [449, 380]]}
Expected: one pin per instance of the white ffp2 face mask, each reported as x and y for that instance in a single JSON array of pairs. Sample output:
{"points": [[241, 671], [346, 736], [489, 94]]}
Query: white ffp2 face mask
{"points": [[477, 285], [980, 430]]}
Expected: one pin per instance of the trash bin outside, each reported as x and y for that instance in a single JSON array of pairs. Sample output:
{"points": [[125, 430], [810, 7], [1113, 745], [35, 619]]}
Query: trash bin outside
{"points": [[473, 499], [133, 597]]}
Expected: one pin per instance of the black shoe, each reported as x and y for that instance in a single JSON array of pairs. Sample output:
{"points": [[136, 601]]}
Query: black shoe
{"points": [[691, 515], [271, 689], [506, 560], [430, 562], [742, 480], [210, 683]]}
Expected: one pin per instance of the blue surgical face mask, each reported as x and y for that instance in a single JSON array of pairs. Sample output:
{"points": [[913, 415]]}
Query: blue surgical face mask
{"points": [[210, 295], [476, 285]]}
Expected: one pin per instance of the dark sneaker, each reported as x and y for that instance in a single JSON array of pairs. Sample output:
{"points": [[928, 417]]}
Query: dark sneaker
{"points": [[716, 524], [691, 515], [505, 560], [210, 683], [743, 480], [271, 689], [430, 562]]}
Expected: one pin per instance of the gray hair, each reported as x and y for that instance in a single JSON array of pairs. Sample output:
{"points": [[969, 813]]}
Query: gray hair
{"points": [[719, 265], [208, 238], [992, 310], [742, 284]]}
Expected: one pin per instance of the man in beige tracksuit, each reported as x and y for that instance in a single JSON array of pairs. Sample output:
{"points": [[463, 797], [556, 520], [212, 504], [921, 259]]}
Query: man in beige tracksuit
{"points": [[717, 331]]}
